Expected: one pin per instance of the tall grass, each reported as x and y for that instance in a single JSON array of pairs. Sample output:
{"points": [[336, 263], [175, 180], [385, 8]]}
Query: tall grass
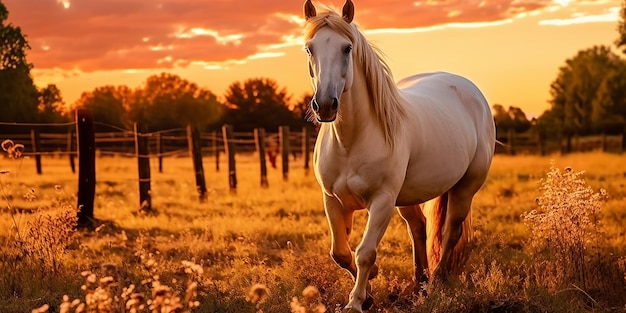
{"points": [[267, 249]]}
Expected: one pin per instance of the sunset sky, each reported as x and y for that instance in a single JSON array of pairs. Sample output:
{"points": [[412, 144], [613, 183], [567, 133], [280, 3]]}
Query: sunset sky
{"points": [[512, 49]]}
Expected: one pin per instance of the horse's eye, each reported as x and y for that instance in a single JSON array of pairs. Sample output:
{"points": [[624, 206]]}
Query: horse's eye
{"points": [[348, 49]]}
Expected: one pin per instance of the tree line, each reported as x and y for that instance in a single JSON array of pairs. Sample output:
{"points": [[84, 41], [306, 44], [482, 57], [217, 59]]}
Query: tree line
{"points": [[588, 96], [166, 101]]}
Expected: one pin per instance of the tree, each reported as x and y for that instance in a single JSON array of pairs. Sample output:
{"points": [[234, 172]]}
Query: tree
{"points": [[621, 29], [609, 105], [108, 104], [18, 94], [513, 118], [588, 91], [167, 101], [51, 106], [258, 102]]}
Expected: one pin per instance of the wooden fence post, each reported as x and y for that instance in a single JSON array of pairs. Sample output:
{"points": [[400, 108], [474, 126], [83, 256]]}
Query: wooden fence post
{"points": [[511, 141], [143, 162], [229, 145], [540, 147], [35, 140], [86, 146], [195, 150], [283, 138], [259, 140], [216, 150], [159, 144], [306, 147], [70, 150], [568, 144]]}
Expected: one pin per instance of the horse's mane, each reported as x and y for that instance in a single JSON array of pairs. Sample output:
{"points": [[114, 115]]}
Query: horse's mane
{"points": [[388, 104]]}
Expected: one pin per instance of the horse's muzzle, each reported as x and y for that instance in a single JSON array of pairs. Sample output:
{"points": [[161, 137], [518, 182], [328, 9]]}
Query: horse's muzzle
{"points": [[325, 112]]}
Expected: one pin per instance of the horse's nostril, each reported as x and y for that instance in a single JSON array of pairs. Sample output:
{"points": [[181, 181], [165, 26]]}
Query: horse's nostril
{"points": [[314, 105], [335, 104]]}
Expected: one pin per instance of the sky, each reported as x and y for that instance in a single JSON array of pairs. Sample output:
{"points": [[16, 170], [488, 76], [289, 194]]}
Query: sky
{"points": [[511, 49]]}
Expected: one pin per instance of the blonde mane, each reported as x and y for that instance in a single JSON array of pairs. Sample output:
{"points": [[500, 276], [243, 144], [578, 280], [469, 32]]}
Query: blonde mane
{"points": [[387, 102]]}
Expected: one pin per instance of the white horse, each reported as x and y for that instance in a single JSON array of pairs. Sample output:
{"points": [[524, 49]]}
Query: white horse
{"points": [[382, 146]]}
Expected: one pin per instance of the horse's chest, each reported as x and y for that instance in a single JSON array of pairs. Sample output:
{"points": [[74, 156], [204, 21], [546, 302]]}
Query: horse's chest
{"points": [[351, 180]]}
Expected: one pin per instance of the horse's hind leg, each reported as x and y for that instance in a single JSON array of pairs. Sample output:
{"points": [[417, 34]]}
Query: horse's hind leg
{"points": [[416, 224], [459, 203], [457, 212]]}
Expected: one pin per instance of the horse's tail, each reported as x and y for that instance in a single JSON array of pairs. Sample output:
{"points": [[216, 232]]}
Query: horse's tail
{"points": [[435, 211]]}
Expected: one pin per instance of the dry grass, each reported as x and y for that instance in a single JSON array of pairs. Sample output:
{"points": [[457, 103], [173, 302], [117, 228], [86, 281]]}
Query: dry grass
{"points": [[266, 250]]}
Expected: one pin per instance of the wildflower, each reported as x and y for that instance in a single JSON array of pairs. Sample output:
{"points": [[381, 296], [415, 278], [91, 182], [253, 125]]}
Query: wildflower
{"points": [[310, 293], [7, 144], [258, 294], [42, 309], [106, 282]]}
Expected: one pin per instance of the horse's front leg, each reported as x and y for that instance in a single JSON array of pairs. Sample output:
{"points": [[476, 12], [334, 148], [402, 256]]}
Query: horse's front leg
{"points": [[380, 210], [340, 222]]}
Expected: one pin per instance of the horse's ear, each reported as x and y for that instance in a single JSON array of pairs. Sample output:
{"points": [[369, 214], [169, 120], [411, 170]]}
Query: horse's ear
{"points": [[309, 9], [348, 11]]}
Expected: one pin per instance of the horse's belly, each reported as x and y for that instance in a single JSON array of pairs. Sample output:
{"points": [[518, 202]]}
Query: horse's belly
{"points": [[427, 185], [416, 194]]}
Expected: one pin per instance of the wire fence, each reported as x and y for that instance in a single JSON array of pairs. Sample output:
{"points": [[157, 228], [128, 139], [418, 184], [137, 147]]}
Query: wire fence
{"points": [[163, 143], [78, 139]]}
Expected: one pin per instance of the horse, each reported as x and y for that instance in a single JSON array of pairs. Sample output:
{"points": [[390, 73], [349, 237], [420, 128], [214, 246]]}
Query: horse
{"points": [[423, 146]]}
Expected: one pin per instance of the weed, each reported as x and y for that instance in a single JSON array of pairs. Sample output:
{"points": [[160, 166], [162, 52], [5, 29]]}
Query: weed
{"points": [[566, 237], [47, 237], [310, 302]]}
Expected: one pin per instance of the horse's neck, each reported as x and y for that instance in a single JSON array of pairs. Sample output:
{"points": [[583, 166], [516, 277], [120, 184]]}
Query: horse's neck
{"points": [[356, 112]]}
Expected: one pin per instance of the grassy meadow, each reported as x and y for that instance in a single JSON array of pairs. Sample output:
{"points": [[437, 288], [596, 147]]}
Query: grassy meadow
{"points": [[260, 250]]}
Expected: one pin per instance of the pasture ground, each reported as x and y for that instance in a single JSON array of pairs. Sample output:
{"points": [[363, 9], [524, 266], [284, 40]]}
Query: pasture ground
{"points": [[257, 249]]}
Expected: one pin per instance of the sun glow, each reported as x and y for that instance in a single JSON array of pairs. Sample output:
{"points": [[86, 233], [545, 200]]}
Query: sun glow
{"points": [[65, 3], [562, 3]]}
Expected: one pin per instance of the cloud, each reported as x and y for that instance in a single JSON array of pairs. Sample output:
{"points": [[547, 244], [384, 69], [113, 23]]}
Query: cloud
{"points": [[141, 34], [611, 16]]}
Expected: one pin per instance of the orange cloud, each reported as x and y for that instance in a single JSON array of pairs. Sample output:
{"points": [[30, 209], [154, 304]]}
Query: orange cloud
{"points": [[121, 34]]}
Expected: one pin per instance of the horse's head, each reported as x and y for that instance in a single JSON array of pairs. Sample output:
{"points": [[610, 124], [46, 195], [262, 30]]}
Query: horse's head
{"points": [[329, 42]]}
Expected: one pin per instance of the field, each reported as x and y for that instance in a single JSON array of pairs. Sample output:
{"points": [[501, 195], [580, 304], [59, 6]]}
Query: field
{"points": [[257, 250]]}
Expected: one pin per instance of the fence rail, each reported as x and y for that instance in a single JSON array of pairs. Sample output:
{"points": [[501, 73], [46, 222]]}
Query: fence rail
{"points": [[174, 142], [533, 143]]}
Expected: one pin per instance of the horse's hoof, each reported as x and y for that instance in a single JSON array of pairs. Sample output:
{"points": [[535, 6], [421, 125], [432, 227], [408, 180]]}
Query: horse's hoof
{"points": [[369, 301]]}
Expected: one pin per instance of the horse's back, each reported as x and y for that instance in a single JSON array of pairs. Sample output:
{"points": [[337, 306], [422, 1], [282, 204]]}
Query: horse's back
{"points": [[454, 95]]}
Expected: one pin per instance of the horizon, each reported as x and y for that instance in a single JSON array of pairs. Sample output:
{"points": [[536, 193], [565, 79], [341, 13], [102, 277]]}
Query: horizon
{"points": [[511, 50]]}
